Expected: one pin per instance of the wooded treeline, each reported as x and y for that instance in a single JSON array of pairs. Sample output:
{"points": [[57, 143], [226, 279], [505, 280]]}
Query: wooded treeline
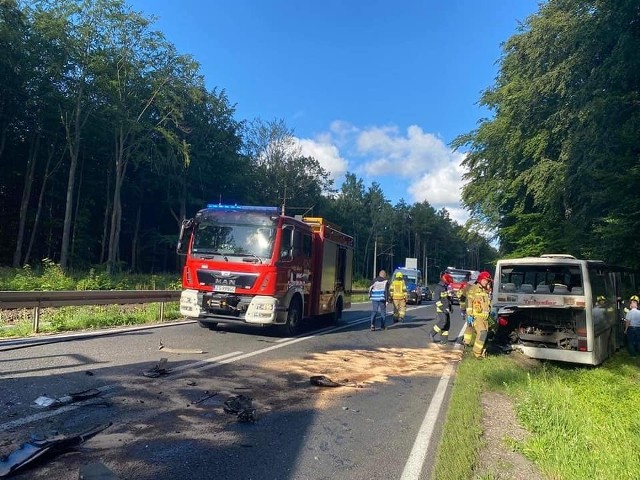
{"points": [[109, 138], [557, 168]]}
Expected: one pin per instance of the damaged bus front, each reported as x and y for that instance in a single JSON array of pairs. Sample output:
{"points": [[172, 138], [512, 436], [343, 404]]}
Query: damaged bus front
{"points": [[557, 307]]}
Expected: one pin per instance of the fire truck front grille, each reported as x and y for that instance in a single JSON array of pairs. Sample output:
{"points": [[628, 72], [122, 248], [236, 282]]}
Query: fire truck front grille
{"points": [[240, 281], [233, 305]]}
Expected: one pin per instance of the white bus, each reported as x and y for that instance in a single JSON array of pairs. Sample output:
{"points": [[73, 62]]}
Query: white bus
{"points": [[556, 307]]}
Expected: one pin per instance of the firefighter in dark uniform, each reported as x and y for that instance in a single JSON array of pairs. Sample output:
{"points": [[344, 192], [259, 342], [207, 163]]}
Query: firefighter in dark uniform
{"points": [[443, 309]]}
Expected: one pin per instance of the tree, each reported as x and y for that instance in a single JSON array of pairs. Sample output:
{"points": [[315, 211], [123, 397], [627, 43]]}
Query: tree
{"points": [[545, 170], [282, 175]]}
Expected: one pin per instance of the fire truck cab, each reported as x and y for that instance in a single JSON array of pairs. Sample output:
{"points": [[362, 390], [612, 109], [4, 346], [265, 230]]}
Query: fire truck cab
{"points": [[253, 265]]}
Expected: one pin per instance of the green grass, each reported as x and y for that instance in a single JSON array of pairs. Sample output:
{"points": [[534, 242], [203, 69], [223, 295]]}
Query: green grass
{"points": [[68, 319], [584, 422]]}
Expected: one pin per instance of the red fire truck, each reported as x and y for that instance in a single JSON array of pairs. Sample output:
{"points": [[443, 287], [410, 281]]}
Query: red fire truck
{"points": [[251, 264]]}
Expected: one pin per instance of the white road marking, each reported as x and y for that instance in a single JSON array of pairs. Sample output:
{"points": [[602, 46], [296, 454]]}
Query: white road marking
{"points": [[418, 455]]}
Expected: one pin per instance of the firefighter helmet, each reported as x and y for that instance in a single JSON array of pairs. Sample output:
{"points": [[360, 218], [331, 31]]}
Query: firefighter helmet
{"points": [[484, 275], [634, 298], [447, 278], [399, 275]]}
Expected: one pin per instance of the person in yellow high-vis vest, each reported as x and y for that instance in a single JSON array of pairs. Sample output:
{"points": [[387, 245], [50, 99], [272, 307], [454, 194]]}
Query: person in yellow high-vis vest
{"points": [[478, 309], [398, 294]]}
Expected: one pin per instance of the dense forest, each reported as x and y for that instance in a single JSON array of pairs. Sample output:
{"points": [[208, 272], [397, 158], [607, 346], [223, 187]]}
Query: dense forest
{"points": [[557, 168], [109, 137]]}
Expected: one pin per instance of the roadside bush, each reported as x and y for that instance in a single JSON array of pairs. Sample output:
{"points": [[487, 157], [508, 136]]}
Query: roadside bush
{"points": [[48, 276], [95, 281], [54, 278]]}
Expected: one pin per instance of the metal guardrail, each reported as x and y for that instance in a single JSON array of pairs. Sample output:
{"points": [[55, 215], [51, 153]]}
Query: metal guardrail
{"points": [[66, 298], [38, 300]]}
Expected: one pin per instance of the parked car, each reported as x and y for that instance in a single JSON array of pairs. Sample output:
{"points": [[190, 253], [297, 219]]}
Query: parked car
{"points": [[427, 294]]}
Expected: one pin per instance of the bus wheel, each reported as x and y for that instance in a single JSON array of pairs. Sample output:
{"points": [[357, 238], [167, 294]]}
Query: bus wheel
{"points": [[207, 324], [294, 319]]}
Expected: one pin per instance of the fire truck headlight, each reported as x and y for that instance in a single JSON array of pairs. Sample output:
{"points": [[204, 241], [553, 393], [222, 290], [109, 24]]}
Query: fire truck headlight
{"points": [[262, 309], [189, 305]]}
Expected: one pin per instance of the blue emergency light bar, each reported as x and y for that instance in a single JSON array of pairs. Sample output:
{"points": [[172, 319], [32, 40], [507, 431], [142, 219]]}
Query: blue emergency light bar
{"points": [[251, 208]]}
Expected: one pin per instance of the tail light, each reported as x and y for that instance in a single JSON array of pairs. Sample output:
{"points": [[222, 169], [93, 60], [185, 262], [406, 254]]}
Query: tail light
{"points": [[503, 321], [582, 344]]}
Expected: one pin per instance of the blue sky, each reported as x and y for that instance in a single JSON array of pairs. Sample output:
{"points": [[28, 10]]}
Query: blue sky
{"points": [[378, 88]]}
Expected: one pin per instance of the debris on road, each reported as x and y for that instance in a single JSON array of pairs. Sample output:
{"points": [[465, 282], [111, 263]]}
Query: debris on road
{"points": [[96, 471], [206, 397], [247, 416], [242, 406], [84, 395], [322, 381], [179, 350], [44, 401], [40, 449], [158, 370]]}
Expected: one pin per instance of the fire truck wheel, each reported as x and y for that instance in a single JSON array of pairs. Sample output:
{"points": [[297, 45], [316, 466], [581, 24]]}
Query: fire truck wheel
{"points": [[209, 325], [294, 318], [336, 316]]}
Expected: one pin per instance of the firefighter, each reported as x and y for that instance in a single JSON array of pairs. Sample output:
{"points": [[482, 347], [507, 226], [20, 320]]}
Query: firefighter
{"points": [[398, 294], [478, 309], [462, 295], [443, 309], [465, 293]]}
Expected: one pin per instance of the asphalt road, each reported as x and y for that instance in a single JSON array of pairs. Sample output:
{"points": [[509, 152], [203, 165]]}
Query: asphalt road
{"points": [[383, 422]]}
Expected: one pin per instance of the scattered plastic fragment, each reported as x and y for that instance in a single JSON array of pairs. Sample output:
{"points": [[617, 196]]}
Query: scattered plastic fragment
{"points": [[44, 401], [247, 416], [206, 397], [96, 471], [179, 350], [322, 381], [158, 370], [41, 449], [242, 406]]}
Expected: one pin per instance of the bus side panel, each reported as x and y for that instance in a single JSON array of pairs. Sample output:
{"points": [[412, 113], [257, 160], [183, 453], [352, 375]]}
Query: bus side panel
{"points": [[585, 358]]}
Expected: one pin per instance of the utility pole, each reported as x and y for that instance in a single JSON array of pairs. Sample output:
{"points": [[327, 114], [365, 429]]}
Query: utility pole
{"points": [[375, 257]]}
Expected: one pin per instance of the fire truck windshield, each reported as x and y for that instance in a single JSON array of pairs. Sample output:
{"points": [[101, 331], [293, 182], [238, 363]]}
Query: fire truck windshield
{"points": [[231, 235]]}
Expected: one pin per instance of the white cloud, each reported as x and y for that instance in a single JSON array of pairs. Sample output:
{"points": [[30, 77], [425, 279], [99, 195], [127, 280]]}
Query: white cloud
{"points": [[441, 187], [414, 164], [326, 154], [405, 155]]}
